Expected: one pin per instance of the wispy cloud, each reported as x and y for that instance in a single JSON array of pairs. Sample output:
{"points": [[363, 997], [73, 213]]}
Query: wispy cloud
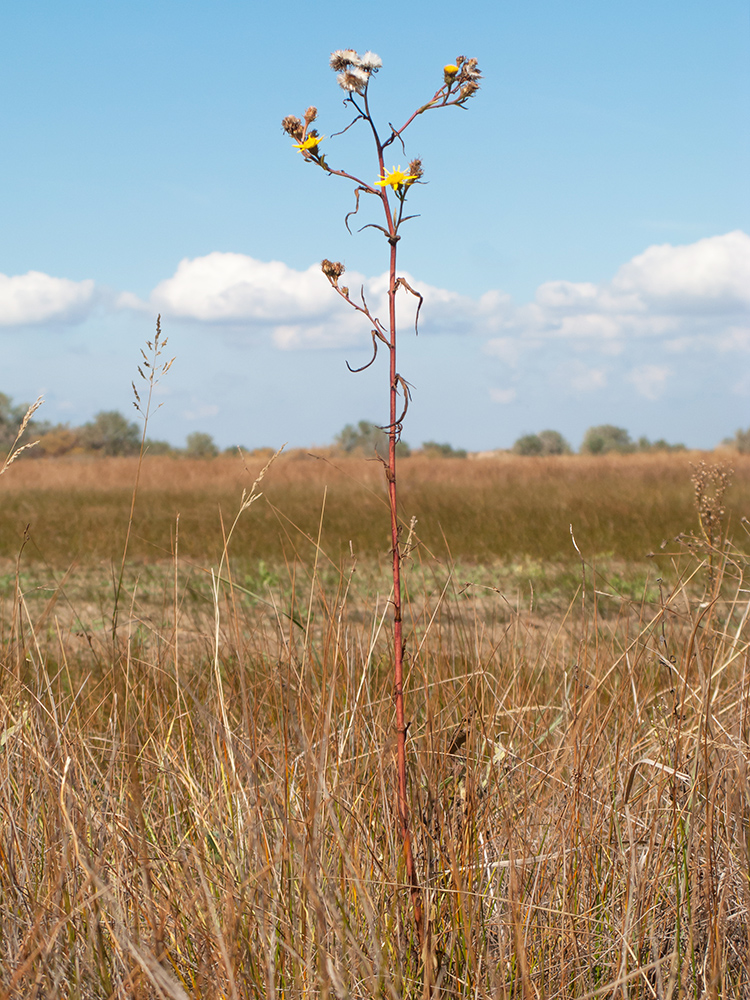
{"points": [[649, 380], [577, 377], [503, 396]]}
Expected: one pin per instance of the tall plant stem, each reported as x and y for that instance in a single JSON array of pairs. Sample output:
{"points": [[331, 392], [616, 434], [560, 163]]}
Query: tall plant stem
{"points": [[398, 642]]}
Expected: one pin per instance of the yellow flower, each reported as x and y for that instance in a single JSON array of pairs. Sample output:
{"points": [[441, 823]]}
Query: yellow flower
{"points": [[311, 142], [397, 179], [450, 70]]}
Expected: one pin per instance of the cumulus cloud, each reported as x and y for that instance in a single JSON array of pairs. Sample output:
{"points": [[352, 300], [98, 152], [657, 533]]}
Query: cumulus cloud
{"points": [[299, 308], [675, 293], [684, 298], [234, 288], [26, 299], [712, 274], [667, 301]]}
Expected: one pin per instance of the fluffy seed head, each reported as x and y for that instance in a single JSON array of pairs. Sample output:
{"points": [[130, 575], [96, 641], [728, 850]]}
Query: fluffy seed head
{"points": [[371, 62], [354, 80], [341, 59]]}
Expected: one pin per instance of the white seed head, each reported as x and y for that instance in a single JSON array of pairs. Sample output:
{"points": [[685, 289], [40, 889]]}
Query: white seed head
{"points": [[341, 59], [370, 61], [353, 80]]}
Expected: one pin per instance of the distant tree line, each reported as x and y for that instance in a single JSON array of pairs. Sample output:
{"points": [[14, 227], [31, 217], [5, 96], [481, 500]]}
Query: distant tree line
{"points": [[109, 433], [367, 438], [112, 434], [740, 442], [604, 439]]}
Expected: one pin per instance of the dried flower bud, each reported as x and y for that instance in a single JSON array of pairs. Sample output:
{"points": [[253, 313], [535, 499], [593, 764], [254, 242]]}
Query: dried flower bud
{"points": [[311, 114], [341, 59], [468, 90], [293, 127], [332, 269], [469, 71], [416, 169]]}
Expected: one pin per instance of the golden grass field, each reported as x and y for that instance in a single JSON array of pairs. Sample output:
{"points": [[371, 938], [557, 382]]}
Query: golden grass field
{"points": [[492, 508], [200, 803]]}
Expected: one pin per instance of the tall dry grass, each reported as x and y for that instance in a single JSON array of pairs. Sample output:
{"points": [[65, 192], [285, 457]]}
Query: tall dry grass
{"points": [[471, 510], [204, 808]]}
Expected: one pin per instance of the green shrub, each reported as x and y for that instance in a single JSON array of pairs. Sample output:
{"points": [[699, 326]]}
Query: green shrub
{"points": [[607, 438], [367, 437], [200, 445], [433, 449], [740, 441], [109, 433], [543, 443]]}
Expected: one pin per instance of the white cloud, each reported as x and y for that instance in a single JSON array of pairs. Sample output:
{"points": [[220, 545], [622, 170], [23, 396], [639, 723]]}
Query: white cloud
{"points": [[685, 297], [231, 287], [649, 380], [735, 338], [39, 298], [579, 377], [711, 274], [127, 300], [692, 297], [293, 337], [503, 396], [507, 349], [201, 411], [299, 308], [567, 295]]}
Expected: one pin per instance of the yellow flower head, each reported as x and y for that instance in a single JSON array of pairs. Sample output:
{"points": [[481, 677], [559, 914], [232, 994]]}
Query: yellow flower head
{"points": [[397, 179], [310, 143], [450, 70]]}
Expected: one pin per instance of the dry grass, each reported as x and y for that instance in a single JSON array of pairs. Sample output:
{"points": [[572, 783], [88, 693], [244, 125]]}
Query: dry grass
{"points": [[204, 808], [624, 507]]}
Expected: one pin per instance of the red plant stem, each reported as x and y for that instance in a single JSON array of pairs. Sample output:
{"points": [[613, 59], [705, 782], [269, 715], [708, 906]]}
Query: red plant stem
{"points": [[398, 642], [398, 670]]}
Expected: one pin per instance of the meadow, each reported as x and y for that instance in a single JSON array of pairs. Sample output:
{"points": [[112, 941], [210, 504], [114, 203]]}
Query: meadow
{"points": [[197, 798]]}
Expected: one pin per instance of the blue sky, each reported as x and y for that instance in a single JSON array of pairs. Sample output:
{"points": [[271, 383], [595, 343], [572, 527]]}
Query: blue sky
{"points": [[582, 241]]}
